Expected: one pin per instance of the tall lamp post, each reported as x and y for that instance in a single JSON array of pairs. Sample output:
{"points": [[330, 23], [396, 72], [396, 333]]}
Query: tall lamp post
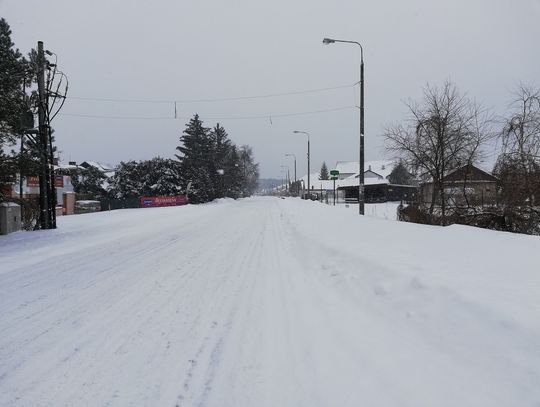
{"points": [[293, 155], [361, 198], [308, 169], [287, 175]]}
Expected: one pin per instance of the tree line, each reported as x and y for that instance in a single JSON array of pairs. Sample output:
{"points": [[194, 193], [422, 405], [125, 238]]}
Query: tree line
{"points": [[207, 164]]}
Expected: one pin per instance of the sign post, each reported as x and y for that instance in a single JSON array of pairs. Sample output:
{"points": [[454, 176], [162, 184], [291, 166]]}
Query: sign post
{"points": [[334, 176]]}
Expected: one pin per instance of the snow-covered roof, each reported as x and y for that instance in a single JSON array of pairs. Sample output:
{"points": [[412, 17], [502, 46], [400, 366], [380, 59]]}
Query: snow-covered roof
{"points": [[316, 183], [65, 166], [380, 167], [105, 167], [347, 167]]}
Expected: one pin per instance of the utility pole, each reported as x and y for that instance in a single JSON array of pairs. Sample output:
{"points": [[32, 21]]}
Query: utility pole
{"points": [[42, 141], [361, 187], [46, 217], [308, 166]]}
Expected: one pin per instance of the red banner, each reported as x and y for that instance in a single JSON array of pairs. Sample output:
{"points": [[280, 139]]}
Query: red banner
{"points": [[59, 181], [32, 181], [156, 201]]}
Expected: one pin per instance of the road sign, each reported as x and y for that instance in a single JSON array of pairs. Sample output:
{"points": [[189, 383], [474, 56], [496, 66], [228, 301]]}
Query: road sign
{"points": [[334, 172], [333, 178]]}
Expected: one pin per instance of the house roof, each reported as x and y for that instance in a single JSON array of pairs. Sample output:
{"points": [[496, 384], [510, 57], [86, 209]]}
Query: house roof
{"points": [[469, 172], [379, 167], [347, 167], [347, 182], [104, 167]]}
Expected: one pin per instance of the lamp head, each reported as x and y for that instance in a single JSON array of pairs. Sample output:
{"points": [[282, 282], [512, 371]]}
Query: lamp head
{"points": [[327, 41]]}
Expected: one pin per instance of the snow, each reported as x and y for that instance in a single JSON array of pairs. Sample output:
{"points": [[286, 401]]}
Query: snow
{"points": [[328, 185], [381, 167], [267, 302]]}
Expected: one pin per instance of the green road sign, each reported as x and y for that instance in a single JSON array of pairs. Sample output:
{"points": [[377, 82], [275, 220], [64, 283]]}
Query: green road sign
{"points": [[334, 172], [333, 178]]}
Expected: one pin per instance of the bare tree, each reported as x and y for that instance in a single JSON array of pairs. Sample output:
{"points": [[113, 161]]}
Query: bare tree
{"points": [[442, 132], [519, 163]]}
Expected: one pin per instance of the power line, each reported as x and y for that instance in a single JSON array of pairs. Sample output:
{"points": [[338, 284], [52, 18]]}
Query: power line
{"points": [[211, 100], [267, 116]]}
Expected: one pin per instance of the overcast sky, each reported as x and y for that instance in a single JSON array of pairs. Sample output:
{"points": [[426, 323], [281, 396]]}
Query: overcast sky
{"points": [[184, 50]]}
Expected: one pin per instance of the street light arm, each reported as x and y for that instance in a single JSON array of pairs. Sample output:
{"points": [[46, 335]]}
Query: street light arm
{"points": [[302, 132], [327, 41]]}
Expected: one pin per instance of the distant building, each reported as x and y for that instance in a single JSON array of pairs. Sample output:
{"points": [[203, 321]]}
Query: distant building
{"points": [[377, 188]]}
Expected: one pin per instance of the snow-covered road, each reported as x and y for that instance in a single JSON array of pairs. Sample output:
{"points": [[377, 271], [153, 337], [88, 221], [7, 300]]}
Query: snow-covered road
{"points": [[267, 302]]}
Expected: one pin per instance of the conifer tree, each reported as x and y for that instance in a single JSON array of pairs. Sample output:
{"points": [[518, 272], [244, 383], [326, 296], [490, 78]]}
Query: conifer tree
{"points": [[400, 175], [12, 75], [324, 172], [196, 161], [221, 149]]}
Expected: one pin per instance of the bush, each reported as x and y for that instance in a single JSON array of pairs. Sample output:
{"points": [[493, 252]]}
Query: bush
{"points": [[29, 212]]}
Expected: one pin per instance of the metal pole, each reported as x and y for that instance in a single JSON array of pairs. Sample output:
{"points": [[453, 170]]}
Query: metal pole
{"points": [[296, 189], [334, 191], [21, 168], [295, 182], [361, 198], [308, 169]]}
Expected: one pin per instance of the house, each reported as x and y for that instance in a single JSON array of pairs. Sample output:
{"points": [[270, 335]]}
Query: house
{"points": [[106, 169], [464, 185], [378, 169], [377, 188], [30, 187]]}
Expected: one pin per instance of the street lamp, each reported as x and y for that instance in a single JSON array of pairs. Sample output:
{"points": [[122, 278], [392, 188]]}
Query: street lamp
{"points": [[293, 155], [361, 199], [308, 169]]}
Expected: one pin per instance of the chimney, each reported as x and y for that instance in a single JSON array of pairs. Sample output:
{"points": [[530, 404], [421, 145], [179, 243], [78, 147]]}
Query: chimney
{"points": [[369, 167]]}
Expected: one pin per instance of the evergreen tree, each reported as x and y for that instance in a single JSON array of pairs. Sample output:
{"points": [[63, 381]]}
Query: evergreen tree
{"points": [[12, 75], [221, 151], [212, 166], [196, 164], [400, 175], [87, 181], [232, 171], [155, 177], [324, 172], [15, 72]]}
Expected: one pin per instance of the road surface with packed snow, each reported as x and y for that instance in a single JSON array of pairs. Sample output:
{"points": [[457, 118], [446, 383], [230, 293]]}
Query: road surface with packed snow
{"points": [[267, 302]]}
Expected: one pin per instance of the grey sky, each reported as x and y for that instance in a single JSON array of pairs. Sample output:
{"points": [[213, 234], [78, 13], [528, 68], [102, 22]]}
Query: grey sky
{"points": [[178, 50]]}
